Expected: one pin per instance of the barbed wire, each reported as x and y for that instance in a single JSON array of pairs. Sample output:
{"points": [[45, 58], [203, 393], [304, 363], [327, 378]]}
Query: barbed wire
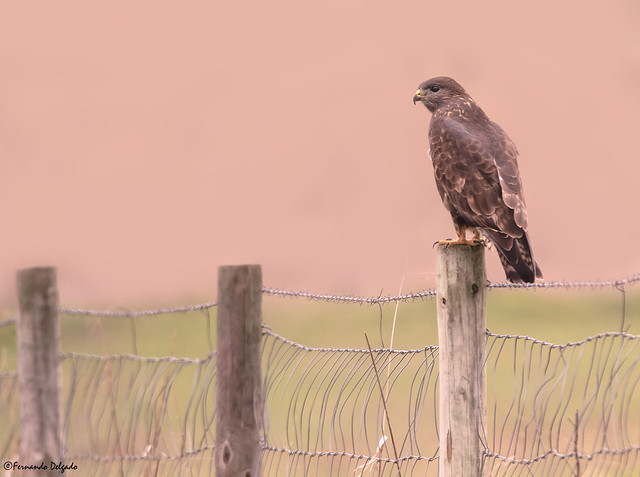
{"points": [[135, 314], [412, 296], [126, 313], [266, 331], [341, 298], [388, 460], [420, 295], [564, 345], [560, 455], [580, 284]]}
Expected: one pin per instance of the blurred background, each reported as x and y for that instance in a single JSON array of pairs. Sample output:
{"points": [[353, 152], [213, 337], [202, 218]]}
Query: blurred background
{"points": [[143, 144]]}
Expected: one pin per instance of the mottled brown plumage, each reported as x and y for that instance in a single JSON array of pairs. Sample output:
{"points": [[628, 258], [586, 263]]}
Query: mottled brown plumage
{"points": [[476, 170]]}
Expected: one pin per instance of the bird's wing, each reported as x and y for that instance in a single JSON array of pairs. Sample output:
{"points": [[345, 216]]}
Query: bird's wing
{"points": [[470, 176], [505, 154]]}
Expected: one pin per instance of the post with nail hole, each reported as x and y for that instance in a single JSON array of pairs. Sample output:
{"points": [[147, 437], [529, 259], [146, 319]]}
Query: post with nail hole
{"points": [[461, 286], [239, 398]]}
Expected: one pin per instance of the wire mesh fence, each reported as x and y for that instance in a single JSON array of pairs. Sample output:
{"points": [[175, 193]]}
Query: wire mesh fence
{"points": [[561, 409], [571, 409], [326, 412], [128, 415]]}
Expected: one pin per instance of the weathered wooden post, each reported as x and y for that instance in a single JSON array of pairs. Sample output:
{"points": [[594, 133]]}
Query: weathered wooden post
{"points": [[239, 397], [39, 376], [461, 293]]}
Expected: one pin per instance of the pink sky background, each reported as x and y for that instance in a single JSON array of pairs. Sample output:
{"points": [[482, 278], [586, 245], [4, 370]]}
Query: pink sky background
{"points": [[144, 144]]}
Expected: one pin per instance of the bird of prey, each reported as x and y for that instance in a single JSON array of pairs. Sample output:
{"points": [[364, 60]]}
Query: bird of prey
{"points": [[476, 170]]}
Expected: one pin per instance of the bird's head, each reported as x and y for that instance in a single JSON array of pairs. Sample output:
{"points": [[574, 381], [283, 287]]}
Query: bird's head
{"points": [[435, 92]]}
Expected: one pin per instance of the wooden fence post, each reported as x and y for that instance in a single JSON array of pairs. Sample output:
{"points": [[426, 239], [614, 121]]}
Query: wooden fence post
{"points": [[461, 294], [39, 376], [239, 397]]}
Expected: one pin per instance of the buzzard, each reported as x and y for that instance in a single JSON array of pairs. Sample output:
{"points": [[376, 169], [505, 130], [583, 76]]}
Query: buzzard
{"points": [[476, 170]]}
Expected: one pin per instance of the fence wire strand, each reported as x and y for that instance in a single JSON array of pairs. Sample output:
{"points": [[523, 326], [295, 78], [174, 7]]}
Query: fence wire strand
{"points": [[376, 300], [560, 409], [382, 300], [135, 314]]}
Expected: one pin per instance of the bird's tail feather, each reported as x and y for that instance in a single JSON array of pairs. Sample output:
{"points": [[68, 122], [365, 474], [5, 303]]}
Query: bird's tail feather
{"points": [[516, 256]]}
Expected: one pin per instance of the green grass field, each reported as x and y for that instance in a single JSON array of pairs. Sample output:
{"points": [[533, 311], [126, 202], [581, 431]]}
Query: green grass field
{"points": [[557, 316]]}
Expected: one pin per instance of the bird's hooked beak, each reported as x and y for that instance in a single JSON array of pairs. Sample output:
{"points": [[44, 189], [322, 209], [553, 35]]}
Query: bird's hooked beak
{"points": [[417, 97]]}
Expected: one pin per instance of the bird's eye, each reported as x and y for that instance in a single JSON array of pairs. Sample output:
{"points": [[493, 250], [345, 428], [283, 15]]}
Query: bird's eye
{"points": [[435, 88]]}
